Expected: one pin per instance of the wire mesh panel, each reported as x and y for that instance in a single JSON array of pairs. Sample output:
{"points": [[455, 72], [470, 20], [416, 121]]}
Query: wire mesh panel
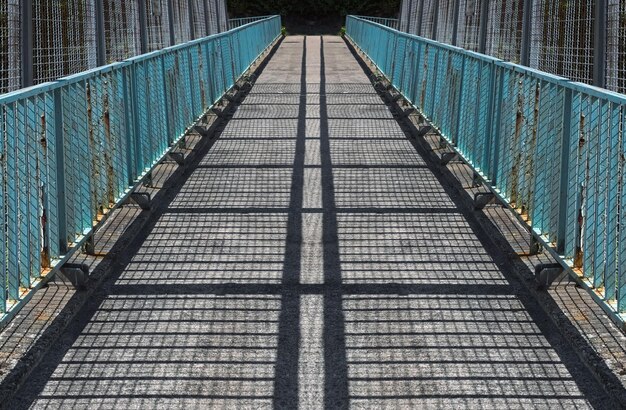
{"points": [[616, 46], [469, 24], [10, 42], [213, 22], [445, 21], [199, 18], [64, 38], [222, 15], [180, 9], [121, 29], [428, 18], [562, 38], [413, 16], [404, 15], [504, 32], [157, 24]]}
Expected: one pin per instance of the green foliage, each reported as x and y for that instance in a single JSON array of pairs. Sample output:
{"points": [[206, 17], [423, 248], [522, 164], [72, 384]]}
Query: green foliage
{"points": [[342, 32], [313, 8], [283, 31]]}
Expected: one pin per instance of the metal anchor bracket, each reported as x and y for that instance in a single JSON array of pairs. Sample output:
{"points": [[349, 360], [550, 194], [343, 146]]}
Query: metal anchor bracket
{"points": [[177, 157], [143, 199], [546, 274], [75, 273], [482, 199], [202, 130], [423, 130], [448, 157]]}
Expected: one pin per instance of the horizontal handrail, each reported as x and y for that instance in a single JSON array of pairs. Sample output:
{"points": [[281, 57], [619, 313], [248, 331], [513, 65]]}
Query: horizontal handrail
{"points": [[552, 149], [238, 22], [75, 148], [389, 22]]}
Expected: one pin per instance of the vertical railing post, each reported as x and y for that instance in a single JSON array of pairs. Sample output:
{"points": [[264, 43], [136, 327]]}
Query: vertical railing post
{"points": [[455, 22], [527, 27], [565, 177], [192, 15], [27, 42], [100, 34], [420, 17], [435, 19], [170, 12], [600, 33], [60, 170], [483, 27], [207, 17], [143, 26]]}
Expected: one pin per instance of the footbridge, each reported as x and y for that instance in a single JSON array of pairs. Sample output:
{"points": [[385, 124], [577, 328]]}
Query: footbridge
{"points": [[375, 220]]}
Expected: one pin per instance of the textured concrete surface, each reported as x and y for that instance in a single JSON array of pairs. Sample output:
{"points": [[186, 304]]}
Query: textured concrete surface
{"points": [[313, 259]]}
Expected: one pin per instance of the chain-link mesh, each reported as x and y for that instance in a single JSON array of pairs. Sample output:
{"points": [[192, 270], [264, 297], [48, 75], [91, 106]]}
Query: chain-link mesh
{"points": [[157, 24], [121, 29], [10, 42], [180, 9], [445, 21], [562, 38], [504, 32], [616, 46], [428, 18], [64, 39], [469, 24]]}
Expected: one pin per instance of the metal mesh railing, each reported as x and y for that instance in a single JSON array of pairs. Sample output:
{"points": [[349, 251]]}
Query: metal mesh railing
{"points": [[199, 18], [582, 40], [429, 13], [504, 32], [158, 24], [10, 59], [64, 38], [446, 21], [562, 38], [182, 25], [238, 22], [616, 46], [469, 24], [388, 22], [550, 149], [121, 30], [42, 40], [73, 150]]}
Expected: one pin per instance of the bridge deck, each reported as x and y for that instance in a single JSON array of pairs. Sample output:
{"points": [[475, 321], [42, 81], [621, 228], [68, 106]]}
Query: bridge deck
{"points": [[313, 256]]}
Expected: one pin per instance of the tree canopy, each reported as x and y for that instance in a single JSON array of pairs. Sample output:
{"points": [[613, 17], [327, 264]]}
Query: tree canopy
{"points": [[315, 9]]}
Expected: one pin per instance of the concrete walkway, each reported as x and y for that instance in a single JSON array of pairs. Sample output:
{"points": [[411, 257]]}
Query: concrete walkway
{"points": [[314, 260]]}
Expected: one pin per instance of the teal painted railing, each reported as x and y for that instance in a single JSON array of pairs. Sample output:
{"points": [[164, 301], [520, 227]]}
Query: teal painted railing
{"points": [[238, 22], [72, 150], [389, 22], [552, 149]]}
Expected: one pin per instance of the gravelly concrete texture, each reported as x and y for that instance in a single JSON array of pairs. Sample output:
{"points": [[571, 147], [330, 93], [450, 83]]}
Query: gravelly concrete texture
{"points": [[314, 260]]}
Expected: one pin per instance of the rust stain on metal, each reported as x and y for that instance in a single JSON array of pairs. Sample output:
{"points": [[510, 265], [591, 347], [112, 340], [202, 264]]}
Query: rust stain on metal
{"points": [[519, 122], [45, 249], [93, 150], [578, 253], [106, 120], [530, 157]]}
